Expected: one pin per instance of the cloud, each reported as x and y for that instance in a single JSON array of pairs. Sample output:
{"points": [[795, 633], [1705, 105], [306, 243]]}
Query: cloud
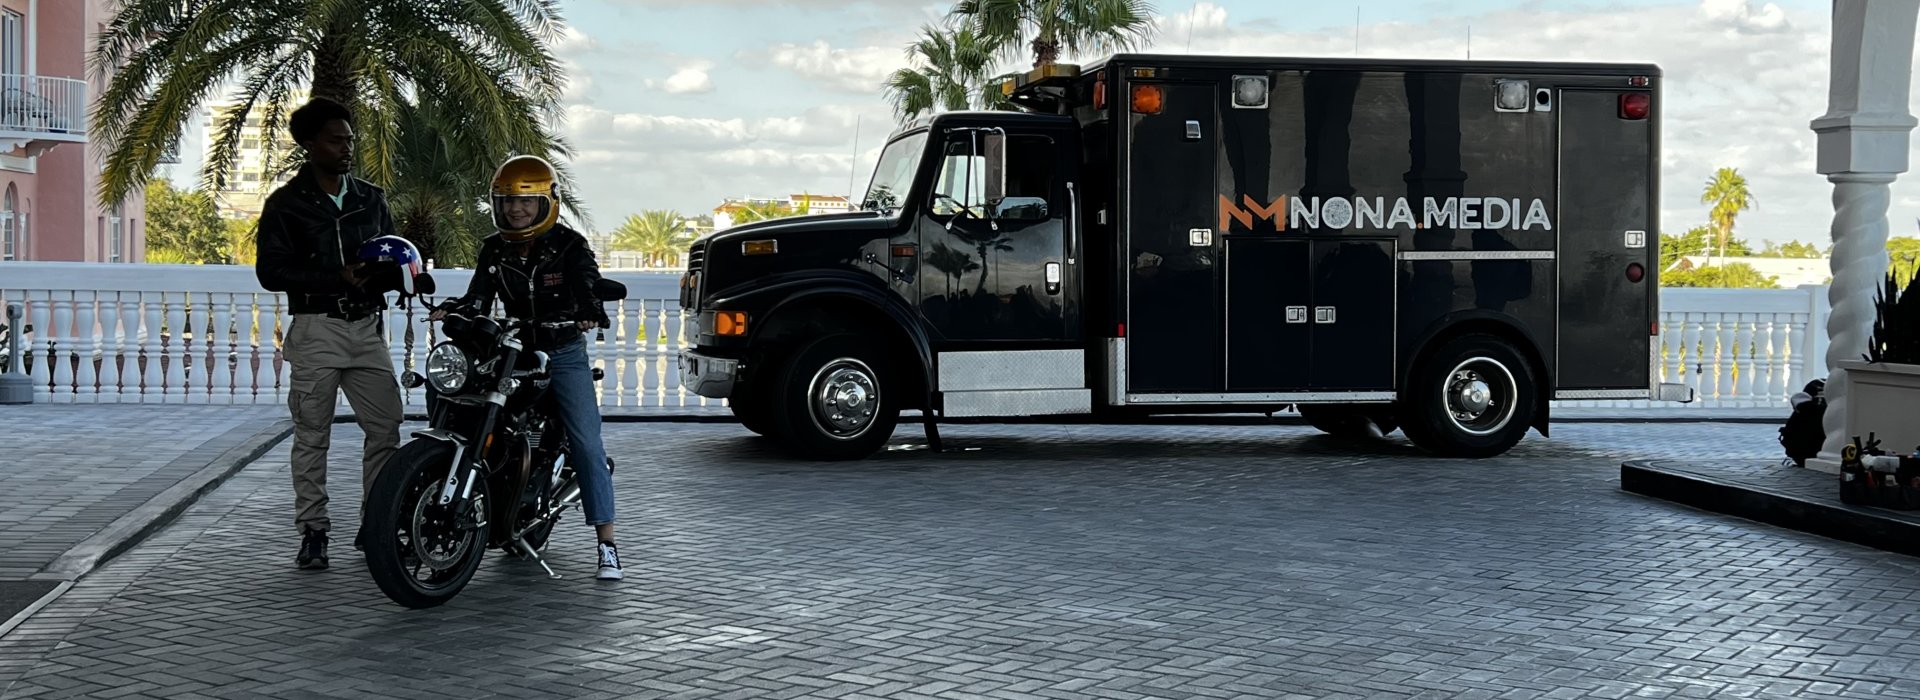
{"points": [[1742, 80], [689, 80], [573, 42], [1740, 16], [859, 70], [629, 161]]}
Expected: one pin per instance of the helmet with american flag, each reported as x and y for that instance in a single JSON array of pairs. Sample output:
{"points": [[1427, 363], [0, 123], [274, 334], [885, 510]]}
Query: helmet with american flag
{"points": [[397, 251]]}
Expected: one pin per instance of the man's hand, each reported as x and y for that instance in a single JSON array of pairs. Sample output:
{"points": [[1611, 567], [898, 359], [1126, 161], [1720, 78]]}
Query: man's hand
{"points": [[351, 274], [437, 315], [589, 325]]}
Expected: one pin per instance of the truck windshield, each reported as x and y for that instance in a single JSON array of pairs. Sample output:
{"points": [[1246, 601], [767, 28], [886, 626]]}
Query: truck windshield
{"points": [[894, 175]]}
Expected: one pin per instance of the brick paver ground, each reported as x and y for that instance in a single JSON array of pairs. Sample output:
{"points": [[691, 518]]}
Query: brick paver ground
{"points": [[1040, 562], [71, 470]]}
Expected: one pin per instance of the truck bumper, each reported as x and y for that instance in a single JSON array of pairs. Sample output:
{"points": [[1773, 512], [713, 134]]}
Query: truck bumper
{"points": [[1679, 393], [709, 376]]}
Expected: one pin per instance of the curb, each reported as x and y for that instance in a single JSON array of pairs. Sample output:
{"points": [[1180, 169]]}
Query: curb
{"points": [[134, 527], [1233, 420], [1833, 520], [27, 612]]}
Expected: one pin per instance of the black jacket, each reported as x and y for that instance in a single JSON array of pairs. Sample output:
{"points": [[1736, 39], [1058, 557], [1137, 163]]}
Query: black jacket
{"points": [[304, 241], [553, 283]]}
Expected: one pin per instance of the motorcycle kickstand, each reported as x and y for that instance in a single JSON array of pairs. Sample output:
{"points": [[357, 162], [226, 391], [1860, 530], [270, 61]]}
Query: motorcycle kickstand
{"points": [[527, 551]]}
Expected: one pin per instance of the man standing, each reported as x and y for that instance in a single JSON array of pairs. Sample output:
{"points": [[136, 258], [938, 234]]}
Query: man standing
{"points": [[310, 231]]}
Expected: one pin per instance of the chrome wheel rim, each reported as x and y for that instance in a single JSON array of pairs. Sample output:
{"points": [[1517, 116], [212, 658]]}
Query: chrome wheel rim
{"points": [[844, 397], [1480, 396], [435, 541]]}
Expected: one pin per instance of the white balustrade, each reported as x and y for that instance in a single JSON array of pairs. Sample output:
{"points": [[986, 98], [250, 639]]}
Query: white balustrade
{"points": [[194, 334]]}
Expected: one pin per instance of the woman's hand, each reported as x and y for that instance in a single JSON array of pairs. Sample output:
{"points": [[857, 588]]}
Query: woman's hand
{"points": [[589, 325]]}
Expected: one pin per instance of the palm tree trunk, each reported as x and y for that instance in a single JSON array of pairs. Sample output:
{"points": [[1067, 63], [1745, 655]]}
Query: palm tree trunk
{"points": [[1046, 52], [332, 75]]}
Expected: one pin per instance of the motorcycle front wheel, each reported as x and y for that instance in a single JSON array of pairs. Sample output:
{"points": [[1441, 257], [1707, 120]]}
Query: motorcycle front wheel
{"points": [[419, 552]]}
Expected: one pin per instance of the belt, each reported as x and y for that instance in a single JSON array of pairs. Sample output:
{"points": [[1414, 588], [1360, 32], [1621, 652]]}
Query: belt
{"points": [[339, 307]]}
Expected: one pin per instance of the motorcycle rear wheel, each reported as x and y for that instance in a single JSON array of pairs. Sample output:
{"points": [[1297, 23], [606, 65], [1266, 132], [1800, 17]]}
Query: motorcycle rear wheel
{"points": [[408, 531]]}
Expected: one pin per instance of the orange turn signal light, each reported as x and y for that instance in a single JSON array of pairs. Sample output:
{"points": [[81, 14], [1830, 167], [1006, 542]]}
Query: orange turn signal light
{"points": [[1147, 99], [730, 323], [767, 247]]}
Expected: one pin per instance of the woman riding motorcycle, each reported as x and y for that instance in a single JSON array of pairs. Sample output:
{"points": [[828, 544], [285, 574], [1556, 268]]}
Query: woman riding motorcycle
{"points": [[544, 271]]}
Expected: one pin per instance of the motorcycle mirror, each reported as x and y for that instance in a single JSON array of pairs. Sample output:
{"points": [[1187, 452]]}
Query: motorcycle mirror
{"points": [[608, 290], [423, 284]]}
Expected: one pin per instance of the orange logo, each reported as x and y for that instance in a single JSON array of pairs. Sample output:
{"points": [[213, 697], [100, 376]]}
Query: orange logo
{"points": [[1229, 213]]}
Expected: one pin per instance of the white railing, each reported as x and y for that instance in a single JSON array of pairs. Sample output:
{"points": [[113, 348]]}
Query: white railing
{"points": [[1737, 348], [106, 334], [152, 333], [41, 104]]}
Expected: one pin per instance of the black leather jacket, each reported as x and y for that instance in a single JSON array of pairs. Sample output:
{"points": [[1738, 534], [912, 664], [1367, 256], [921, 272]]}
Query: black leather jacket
{"points": [[304, 241], [553, 283]]}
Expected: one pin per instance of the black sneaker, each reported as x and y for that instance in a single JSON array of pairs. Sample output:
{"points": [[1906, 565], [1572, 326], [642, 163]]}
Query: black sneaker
{"points": [[313, 550], [609, 562]]}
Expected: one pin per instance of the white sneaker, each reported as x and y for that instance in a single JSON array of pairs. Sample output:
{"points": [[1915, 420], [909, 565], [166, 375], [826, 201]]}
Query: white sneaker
{"points": [[609, 562]]}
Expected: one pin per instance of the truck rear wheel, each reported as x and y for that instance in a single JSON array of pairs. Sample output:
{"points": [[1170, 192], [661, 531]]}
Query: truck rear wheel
{"points": [[1472, 397], [1349, 420], [832, 399]]}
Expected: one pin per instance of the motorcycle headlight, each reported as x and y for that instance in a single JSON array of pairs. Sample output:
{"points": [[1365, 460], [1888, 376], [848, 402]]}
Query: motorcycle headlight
{"points": [[448, 368]]}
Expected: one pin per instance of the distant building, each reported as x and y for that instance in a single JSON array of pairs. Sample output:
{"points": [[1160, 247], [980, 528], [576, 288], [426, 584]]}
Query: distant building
{"points": [[249, 181], [50, 165], [1789, 272], [723, 215], [820, 203]]}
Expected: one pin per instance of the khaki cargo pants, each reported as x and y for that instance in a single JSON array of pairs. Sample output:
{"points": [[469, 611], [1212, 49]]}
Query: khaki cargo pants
{"points": [[329, 356]]}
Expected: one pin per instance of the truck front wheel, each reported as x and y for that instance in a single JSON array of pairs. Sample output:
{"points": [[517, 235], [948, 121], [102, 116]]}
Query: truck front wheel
{"points": [[1473, 397], [832, 399]]}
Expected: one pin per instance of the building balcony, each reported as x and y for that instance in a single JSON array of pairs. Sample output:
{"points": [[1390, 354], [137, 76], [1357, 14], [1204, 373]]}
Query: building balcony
{"points": [[38, 113]]}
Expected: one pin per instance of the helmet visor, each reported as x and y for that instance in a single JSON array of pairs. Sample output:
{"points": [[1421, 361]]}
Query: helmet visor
{"points": [[520, 212]]}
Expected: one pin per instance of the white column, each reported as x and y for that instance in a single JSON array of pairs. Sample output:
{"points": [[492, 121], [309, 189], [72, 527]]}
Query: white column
{"points": [[1863, 146]]}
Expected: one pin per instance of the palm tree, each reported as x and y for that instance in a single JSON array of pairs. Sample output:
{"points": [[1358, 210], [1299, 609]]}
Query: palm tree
{"points": [[167, 56], [659, 235], [948, 71], [1727, 192], [1055, 27], [749, 212]]}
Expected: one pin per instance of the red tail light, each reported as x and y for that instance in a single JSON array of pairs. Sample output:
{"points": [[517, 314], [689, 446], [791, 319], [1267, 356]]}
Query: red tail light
{"points": [[1635, 105], [1635, 273], [1122, 332]]}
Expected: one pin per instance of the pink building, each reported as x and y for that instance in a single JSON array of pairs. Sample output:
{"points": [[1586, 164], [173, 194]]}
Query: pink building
{"points": [[49, 171]]}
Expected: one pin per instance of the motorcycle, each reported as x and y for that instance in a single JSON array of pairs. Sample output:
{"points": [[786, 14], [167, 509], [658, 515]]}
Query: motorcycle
{"points": [[490, 470]]}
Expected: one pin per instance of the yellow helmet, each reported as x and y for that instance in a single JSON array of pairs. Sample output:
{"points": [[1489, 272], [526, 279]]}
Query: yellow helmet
{"points": [[525, 179]]}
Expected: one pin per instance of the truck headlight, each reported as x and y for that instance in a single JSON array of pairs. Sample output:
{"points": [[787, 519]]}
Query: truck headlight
{"points": [[448, 368]]}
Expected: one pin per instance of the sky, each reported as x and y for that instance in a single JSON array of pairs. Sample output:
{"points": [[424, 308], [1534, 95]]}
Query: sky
{"points": [[680, 104]]}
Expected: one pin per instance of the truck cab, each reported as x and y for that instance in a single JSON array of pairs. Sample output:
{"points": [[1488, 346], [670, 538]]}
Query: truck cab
{"points": [[1434, 247]]}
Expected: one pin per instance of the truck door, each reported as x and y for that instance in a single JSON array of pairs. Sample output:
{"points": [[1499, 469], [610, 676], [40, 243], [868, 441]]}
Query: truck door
{"points": [[996, 271], [1173, 294], [1606, 167]]}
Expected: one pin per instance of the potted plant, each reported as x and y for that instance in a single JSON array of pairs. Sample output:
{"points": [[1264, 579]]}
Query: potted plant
{"points": [[1883, 388]]}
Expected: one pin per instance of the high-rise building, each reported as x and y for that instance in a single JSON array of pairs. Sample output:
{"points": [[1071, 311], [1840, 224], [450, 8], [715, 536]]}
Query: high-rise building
{"points": [[250, 179]]}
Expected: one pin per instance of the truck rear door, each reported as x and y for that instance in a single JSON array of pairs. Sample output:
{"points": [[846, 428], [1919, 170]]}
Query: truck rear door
{"points": [[1607, 224]]}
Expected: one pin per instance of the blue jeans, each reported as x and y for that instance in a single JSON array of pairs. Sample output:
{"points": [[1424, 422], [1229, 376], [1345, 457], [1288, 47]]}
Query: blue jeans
{"points": [[580, 412]]}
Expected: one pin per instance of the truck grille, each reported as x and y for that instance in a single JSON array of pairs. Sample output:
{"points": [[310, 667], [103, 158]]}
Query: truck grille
{"points": [[690, 282]]}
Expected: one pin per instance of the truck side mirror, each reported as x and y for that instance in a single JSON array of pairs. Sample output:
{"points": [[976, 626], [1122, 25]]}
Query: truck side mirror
{"points": [[995, 155]]}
